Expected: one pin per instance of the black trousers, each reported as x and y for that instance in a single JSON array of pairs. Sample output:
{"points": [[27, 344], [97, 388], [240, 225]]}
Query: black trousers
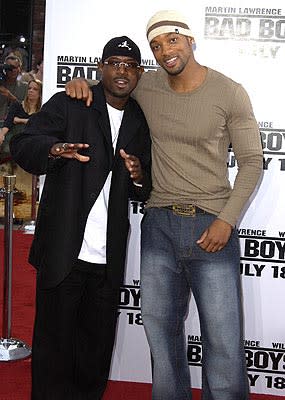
{"points": [[74, 334]]}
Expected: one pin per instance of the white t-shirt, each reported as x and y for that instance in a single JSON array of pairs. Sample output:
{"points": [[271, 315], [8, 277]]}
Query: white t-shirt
{"points": [[93, 248]]}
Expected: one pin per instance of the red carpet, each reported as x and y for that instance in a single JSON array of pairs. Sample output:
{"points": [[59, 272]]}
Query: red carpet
{"points": [[15, 376]]}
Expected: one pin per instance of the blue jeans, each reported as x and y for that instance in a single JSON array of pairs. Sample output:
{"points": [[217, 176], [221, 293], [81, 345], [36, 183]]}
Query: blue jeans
{"points": [[172, 266]]}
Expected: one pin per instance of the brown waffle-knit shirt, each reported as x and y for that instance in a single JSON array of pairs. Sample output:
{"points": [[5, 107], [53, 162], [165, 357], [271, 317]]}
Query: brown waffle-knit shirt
{"points": [[191, 133]]}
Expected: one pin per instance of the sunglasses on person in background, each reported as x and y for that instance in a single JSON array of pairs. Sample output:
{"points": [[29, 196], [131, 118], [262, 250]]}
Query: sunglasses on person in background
{"points": [[12, 58]]}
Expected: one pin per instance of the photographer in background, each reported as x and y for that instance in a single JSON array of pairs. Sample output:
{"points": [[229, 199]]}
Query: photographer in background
{"points": [[3, 90], [11, 88]]}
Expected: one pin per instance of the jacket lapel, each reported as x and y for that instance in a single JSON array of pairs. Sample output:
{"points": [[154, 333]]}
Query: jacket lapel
{"points": [[99, 104], [129, 125], [128, 129]]}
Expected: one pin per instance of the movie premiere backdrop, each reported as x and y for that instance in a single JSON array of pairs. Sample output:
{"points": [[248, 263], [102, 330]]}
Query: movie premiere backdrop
{"points": [[246, 41]]}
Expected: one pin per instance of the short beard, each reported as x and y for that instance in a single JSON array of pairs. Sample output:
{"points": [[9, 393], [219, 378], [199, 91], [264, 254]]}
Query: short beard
{"points": [[176, 72]]}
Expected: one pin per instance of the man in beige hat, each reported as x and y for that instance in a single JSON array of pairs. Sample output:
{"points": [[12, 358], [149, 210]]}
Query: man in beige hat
{"points": [[189, 241]]}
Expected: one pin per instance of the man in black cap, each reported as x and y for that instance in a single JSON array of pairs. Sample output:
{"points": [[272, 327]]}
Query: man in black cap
{"points": [[94, 159]]}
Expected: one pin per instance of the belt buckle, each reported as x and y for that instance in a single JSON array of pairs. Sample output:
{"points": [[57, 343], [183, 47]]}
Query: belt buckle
{"points": [[188, 210]]}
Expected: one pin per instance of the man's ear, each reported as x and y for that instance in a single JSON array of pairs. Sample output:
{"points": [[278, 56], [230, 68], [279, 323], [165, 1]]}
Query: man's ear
{"points": [[100, 66], [141, 71], [191, 40]]}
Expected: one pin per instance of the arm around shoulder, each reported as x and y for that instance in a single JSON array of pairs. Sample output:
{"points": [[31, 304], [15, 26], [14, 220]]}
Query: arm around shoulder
{"points": [[79, 88]]}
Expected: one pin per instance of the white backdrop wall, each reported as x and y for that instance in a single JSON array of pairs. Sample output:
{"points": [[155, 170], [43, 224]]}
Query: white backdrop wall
{"points": [[246, 41]]}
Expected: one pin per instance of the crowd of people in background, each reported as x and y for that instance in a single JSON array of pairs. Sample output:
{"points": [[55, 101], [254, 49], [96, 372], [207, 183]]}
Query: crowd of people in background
{"points": [[20, 97], [17, 117]]}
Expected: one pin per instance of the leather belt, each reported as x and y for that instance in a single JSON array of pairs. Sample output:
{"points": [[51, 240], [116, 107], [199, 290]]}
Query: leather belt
{"points": [[187, 210]]}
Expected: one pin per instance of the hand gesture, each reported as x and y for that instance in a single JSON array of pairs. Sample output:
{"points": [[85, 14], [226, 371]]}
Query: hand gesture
{"points": [[69, 150], [133, 165]]}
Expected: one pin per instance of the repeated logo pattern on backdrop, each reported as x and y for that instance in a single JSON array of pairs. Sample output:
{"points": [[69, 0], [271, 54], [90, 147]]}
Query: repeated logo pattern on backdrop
{"points": [[69, 67]]}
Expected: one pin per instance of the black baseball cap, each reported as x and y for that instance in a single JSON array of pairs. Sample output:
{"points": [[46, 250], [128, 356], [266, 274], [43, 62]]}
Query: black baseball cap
{"points": [[121, 46]]}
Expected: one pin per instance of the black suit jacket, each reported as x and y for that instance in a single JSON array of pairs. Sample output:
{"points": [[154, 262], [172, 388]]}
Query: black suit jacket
{"points": [[71, 187]]}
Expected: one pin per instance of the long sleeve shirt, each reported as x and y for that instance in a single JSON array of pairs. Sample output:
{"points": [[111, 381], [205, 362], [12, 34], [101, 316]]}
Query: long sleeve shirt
{"points": [[191, 134]]}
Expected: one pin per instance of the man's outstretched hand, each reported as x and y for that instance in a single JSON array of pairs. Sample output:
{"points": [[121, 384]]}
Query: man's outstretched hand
{"points": [[69, 150]]}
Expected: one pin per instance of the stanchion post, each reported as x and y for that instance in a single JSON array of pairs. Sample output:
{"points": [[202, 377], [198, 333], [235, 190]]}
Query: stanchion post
{"points": [[10, 349], [9, 185], [34, 198], [29, 226]]}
